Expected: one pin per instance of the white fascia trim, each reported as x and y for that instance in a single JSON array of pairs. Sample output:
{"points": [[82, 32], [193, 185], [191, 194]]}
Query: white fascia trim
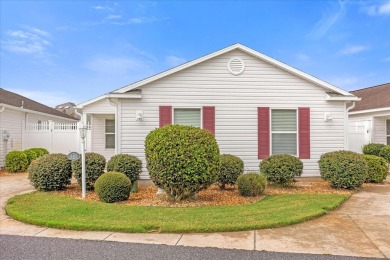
{"points": [[370, 111], [247, 50], [109, 95], [343, 98], [36, 112]]}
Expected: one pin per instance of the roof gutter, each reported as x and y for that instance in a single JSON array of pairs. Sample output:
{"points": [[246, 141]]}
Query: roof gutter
{"points": [[342, 98]]}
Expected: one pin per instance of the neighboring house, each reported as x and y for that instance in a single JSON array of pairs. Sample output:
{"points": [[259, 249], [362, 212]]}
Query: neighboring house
{"points": [[255, 106], [372, 113], [16, 109], [68, 108]]}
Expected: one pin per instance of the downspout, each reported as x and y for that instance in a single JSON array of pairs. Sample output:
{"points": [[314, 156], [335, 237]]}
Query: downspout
{"points": [[346, 123], [5, 141], [115, 104]]}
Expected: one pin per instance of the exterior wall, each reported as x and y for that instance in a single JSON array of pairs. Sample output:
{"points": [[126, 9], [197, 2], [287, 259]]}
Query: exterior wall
{"points": [[236, 99], [378, 124], [97, 144], [99, 107]]}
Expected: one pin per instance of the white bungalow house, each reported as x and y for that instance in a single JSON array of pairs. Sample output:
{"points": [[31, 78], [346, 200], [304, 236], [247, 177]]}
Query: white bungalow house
{"points": [[16, 110], [371, 116], [255, 106]]}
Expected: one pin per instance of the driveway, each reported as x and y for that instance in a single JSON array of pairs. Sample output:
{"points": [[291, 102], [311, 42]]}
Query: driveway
{"points": [[360, 227]]}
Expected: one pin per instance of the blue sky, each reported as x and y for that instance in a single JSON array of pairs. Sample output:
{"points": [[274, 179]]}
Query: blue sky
{"points": [[58, 51]]}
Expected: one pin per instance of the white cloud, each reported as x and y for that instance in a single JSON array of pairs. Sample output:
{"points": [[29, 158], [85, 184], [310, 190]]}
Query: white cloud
{"points": [[174, 61], [382, 8], [353, 49], [329, 18], [117, 65], [303, 57], [49, 98], [30, 41], [345, 82], [102, 8], [113, 16]]}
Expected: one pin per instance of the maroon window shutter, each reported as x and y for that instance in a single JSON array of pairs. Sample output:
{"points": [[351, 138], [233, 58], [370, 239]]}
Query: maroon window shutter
{"points": [[165, 115], [263, 132], [304, 132], [209, 119]]}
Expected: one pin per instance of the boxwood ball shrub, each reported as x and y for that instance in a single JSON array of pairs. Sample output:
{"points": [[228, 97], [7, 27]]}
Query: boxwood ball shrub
{"points": [[39, 151], [377, 168], [343, 169], [281, 169], [113, 187], [50, 172], [31, 155], [251, 184], [182, 160], [373, 149], [385, 153], [127, 164], [16, 161], [94, 167], [231, 167]]}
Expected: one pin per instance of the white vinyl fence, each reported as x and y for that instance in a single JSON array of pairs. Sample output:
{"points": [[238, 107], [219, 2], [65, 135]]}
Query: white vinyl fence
{"points": [[53, 136], [359, 135]]}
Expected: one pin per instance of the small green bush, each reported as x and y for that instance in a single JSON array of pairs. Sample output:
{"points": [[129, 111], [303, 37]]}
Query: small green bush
{"points": [[281, 169], [50, 172], [251, 184], [182, 160], [372, 149], [385, 153], [343, 169], [377, 168], [128, 164], [113, 187], [231, 167], [39, 151], [16, 161], [31, 155], [94, 167]]}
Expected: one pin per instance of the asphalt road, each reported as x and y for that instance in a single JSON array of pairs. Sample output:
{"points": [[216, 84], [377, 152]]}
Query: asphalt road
{"points": [[34, 248]]}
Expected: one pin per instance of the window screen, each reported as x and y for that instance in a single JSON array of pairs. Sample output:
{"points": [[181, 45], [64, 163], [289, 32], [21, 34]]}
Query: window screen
{"points": [[284, 131], [184, 116]]}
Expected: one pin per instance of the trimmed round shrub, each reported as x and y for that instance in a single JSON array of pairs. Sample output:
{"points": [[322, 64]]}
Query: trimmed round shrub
{"points": [[94, 167], [281, 169], [251, 184], [127, 164], [16, 161], [343, 169], [39, 151], [385, 153], [231, 167], [113, 187], [373, 149], [31, 155], [182, 160], [377, 168], [50, 172]]}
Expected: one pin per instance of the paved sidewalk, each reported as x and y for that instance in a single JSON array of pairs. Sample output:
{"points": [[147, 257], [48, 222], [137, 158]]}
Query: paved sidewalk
{"points": [[361, 227]]}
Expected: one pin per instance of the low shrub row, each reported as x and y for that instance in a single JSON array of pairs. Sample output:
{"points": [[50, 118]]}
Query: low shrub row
{"points": [[18, 161], [380, 150]]}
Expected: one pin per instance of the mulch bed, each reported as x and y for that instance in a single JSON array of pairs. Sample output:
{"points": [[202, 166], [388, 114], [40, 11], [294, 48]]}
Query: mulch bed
{"points": [[213, 196]]}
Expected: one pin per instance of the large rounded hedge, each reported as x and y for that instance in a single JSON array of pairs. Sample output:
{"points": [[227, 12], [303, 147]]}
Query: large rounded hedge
{"points": [[16, 161], [251, 184], [343, 169], [127, 164], [377, 168], [385, 153], [94, 167], [182, 160], [373, 149], [113, 187], [231, 167], [281, 169], [50, 172]]}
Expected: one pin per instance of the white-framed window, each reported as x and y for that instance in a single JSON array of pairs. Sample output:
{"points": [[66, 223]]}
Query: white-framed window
{"points": [[187, 116], [284, 131], [110, 133], [388, 131]]}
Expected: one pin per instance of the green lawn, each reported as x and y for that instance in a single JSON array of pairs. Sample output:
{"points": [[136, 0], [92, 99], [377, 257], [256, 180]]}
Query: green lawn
{"points": [[62, 212]]}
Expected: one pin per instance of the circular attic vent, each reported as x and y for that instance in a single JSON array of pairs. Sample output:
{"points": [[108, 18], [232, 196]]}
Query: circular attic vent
{"points": [[236, 66]]}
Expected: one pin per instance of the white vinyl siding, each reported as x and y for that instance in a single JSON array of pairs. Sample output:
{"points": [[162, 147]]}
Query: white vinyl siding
{"points": [[187, 116], [110, 133], [284, 131], [388, 131]]}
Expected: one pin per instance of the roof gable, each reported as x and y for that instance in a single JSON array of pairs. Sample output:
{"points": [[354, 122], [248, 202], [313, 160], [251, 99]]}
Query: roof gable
{"points": [[375, 97], [19, 101]]}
